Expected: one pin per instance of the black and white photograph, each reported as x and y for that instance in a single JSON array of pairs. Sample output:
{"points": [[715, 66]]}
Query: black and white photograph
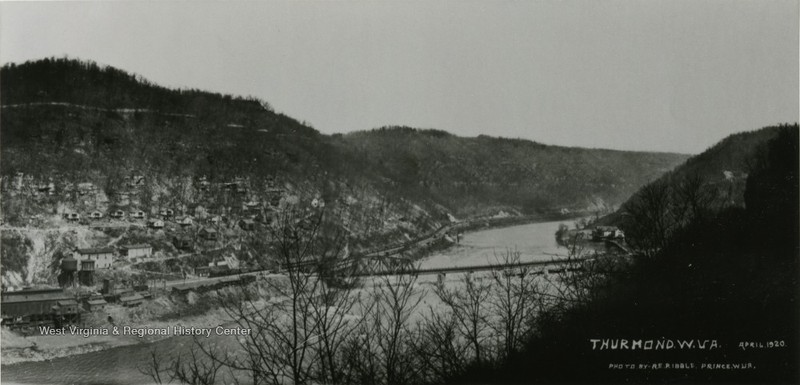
{"points": [[400, 192]]}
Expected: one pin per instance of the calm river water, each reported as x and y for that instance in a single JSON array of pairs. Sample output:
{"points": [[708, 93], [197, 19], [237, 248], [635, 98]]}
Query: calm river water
{"points": [[121, 365]]}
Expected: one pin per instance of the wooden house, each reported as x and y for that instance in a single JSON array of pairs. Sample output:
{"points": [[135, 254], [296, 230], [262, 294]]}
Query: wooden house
{"points": [[66, 306], [136, 251], [131, 299], [247, 224], [183, 243], [95, 303], [102, 257], [208, 234]]}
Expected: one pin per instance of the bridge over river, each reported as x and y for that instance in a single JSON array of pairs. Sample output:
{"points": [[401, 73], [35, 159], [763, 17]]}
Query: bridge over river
{"points": [[478, 251], [539, 267]]}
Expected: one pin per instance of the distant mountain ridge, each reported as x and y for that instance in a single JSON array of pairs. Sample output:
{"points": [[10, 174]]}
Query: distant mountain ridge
{"points": [[534, 177], [177, 136]]}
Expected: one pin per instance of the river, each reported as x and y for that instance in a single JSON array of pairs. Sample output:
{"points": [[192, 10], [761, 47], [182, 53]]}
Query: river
{"points": [[534, 242], [121, 365]]}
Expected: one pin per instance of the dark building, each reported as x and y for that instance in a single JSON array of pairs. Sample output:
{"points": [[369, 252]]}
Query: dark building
{"points": [[39, 306], [108, 287], [131, 299], [65, 312], [182, 243], [69, 269], [209, 234], [247, 224], [86, 273], [95, 303]]}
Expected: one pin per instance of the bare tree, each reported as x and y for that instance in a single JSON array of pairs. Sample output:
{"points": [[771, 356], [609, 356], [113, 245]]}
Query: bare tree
{"points": [[578, 280], [381, 351], [516, 299], [396, 298], [191, 368], [439, 346], [153, 368], [663, 207], [194, 370], [469, 302], [295, 335], [696, 196], [333, 313], [650, 218]]}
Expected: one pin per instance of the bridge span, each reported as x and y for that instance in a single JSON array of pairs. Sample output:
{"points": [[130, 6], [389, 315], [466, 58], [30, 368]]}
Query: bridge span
{"points": [[555, 265]]}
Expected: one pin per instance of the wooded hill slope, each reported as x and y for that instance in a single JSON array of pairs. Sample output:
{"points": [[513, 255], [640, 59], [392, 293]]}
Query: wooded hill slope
{"points": [[714, 179], [69, 121]]}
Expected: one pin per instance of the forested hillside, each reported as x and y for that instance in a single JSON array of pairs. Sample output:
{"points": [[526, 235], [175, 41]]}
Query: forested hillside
{"points": [[67, 121], [470, 173], [725, 274], [715, 179]]}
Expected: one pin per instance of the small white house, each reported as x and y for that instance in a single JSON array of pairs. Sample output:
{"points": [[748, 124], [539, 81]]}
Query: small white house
{"points": [[102, 257], [136, 251], [230, 261]]}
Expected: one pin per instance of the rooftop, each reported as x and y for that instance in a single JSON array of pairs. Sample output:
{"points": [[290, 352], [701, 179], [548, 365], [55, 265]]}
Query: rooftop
{"points": [[96, 250], [137, 246], [131, 297], [34, 295]]}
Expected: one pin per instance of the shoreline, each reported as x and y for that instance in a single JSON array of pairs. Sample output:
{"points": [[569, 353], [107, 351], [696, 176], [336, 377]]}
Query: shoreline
{"points": [[40, 348], [37, 348], [510, 221]]}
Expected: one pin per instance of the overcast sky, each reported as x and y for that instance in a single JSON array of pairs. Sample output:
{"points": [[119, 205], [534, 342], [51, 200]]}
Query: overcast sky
{"points": [[639, 75]]}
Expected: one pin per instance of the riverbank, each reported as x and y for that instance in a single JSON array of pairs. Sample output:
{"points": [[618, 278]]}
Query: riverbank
{"points": [[497, 222], [122, 364], [448, 242], [195, 310]]}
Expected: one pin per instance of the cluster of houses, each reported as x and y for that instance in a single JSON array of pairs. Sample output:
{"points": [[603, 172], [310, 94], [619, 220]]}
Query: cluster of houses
{"points": [[603, 233], [251, 208], [117, 214], [253, 215]]}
